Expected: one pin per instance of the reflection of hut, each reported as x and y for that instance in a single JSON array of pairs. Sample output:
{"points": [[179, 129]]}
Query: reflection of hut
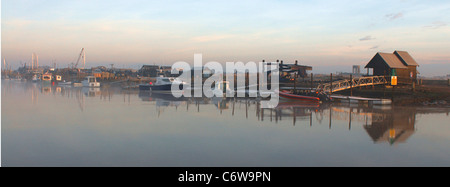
{"points": [[396, 127]]}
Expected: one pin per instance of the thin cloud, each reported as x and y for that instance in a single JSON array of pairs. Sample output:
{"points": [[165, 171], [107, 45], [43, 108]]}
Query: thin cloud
{"points": [[367, 38], [394, 16], [435, 25], [374, 47]]}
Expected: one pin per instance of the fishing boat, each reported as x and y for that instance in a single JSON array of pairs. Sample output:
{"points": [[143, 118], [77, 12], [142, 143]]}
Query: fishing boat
{"points": [[161, 84], [90, 81], [288, 95], [47, 77]]}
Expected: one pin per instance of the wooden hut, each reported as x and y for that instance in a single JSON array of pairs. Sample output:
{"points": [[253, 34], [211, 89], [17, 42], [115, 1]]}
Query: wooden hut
{"points": [[399, 63]]}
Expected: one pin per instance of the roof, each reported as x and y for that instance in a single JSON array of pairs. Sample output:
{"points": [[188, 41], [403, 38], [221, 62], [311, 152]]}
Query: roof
{"points": [[392, 60], [397, 60], [406, 58]]}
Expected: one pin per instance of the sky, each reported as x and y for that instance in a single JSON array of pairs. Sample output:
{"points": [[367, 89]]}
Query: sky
{"points": [[326, 34]]}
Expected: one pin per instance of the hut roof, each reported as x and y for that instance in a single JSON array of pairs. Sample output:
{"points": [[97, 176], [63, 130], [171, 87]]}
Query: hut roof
{"points": [[406, 58]]}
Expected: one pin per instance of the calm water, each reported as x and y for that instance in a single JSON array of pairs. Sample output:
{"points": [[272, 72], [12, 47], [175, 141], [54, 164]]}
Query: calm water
{"points": [[64, 126]]}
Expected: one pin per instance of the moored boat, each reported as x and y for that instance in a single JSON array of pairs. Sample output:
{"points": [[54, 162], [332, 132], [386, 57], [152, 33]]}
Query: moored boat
{"points": [[47, 77], [161, 84], [222, 89], [90, 81]]}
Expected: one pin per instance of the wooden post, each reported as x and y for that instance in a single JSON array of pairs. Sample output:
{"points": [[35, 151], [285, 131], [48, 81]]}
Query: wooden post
{"points": [[312, 79], [295, 84], [331, 83], [235, 80], [351, 85]]}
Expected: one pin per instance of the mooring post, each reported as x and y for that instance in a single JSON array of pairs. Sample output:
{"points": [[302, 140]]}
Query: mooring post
{"points": [[295, 84], [235, 80], [331, 83], [351, 85]]}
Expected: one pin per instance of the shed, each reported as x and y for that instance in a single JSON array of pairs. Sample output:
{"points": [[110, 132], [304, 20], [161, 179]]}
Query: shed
{"points": [[399, 63]]}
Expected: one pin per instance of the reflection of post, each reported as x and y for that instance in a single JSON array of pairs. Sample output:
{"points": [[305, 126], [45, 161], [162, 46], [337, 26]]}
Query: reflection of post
{"points": [[280, 114], [234, 101], [293, 115], [271, 110], [276, 116], [331, 111], [258, 110], [246, 109], [310, 118], [262, 114], [350, 119]]}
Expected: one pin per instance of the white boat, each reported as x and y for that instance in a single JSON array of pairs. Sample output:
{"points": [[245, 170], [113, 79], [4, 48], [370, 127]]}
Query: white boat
{"points": [[64, 83], [222, 89], [90, 81], [35, 78]]}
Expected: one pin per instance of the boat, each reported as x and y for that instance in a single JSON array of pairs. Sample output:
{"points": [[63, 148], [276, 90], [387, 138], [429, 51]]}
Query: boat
{"points": [[47, 77], [90, 81], [161, 84], [288, 95], [64, 83], [35, 78], [222, 89]]}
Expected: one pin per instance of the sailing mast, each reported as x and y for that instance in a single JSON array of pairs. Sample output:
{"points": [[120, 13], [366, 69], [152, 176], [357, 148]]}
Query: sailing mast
{"points": [[84, 58], [32, 61]]}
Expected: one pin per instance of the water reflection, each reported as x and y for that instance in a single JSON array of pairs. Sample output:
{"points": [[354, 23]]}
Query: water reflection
{"points": [[42, 124], [383, 124]]}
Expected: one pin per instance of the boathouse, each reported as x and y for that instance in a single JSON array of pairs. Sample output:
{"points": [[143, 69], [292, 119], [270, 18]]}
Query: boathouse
{"points": [[399, 63]]}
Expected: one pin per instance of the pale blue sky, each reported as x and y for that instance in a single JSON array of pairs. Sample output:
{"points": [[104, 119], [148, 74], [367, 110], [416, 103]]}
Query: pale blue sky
{"points": [[320, 33]]}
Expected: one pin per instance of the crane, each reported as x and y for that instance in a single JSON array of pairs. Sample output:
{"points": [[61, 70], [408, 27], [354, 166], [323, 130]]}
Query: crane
{"points": [[82, 55]]}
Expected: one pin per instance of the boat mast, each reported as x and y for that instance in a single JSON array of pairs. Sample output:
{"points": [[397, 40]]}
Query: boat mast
{"points": [[32, 61], [84, 58]]}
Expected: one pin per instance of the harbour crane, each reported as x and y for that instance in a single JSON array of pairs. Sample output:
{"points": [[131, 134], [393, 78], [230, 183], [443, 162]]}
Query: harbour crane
{"points": [[82, 55]]}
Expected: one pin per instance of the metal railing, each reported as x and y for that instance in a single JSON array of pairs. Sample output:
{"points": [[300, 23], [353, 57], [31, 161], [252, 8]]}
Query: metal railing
{"points": [[356, 82]]}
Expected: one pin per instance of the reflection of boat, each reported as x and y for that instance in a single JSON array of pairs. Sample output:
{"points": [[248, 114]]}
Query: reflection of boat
{"points": [[90, 81], [162, 84], [298, 104], [288, 95], [151, 96], [91, 91]]}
